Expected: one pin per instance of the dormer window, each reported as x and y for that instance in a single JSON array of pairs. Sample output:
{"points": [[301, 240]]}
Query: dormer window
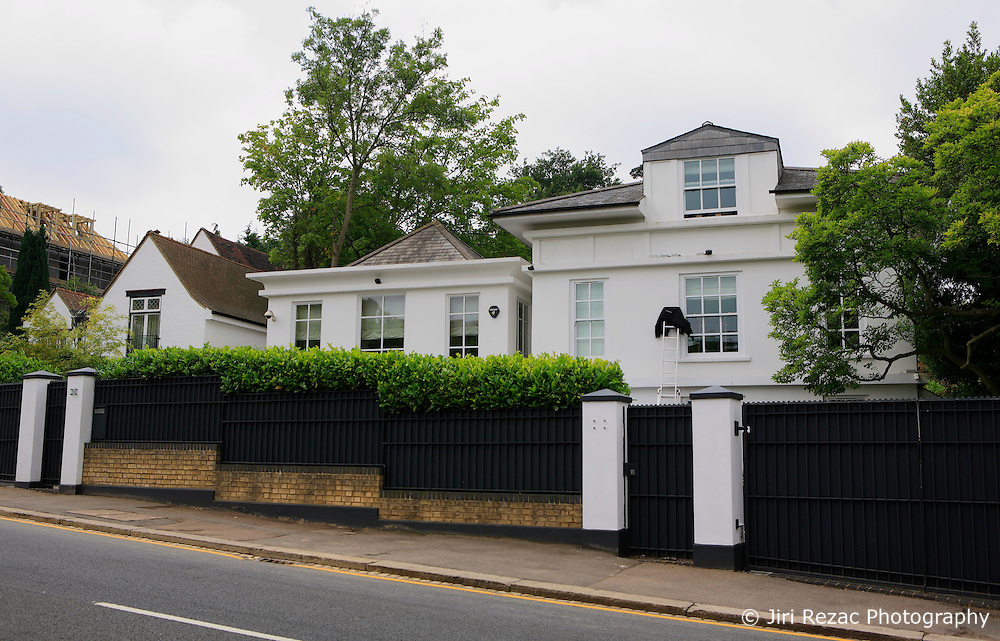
{"points": [[709, 187]]}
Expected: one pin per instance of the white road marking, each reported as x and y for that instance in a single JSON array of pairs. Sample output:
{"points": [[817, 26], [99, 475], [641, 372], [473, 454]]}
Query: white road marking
{"points": [[203, 624]]}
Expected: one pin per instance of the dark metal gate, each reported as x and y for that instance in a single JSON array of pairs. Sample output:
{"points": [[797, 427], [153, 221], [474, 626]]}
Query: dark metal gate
{"points": [[52, 441], [901, 492], [10, 425], [660, 481]]}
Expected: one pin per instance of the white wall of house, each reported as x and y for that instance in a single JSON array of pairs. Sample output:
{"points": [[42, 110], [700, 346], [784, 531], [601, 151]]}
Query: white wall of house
{"points": [[426, 288], [643, 267], [183, 321], [57, 305], [201, 241]]}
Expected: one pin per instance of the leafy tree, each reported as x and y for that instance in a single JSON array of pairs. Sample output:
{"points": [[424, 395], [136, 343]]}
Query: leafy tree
{"points": [[254, 240], [45, 337], [559, 172], [370, 118], [31, 275], [956, 75], [7, 300]]}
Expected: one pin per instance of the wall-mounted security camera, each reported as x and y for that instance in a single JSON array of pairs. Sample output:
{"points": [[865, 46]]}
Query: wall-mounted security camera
{"points": [[269, 315]]}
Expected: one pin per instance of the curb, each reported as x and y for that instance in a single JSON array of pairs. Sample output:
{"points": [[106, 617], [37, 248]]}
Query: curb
{"points": [[478, 580]]}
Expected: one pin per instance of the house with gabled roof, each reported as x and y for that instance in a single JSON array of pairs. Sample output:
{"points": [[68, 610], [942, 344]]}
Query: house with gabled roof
{"points": [[704, 233], [427, 292], [213, 243], [177, 295]]}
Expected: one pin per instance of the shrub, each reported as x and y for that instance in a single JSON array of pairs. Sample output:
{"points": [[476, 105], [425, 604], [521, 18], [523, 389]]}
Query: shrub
{"points": [[14, 365], [403, 381]]}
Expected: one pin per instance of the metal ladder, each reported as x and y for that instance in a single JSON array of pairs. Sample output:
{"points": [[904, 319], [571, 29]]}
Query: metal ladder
{"points": [[669, 348]]}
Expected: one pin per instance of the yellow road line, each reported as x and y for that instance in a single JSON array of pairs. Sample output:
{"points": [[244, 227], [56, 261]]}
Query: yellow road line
{"points": [[425, 583]]}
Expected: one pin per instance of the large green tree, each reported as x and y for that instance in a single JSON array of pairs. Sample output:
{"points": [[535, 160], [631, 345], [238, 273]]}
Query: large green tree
{"points": [[956, 75], [376, 140], [557, 172], [31, 275], [914, 254]]}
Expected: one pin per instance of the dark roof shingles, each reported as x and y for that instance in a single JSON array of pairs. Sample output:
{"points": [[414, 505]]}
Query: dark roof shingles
{"points": [[215, 282], [430, 243], [794, 179], [240, 253], [618, 195]]}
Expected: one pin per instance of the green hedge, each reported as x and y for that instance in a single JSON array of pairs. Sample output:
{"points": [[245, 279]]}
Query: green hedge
{"points": [[403, 381], [14, 365]]}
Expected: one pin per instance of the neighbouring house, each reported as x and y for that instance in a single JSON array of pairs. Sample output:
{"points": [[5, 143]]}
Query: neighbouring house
{"points": [[706, 231], [176, 295], [426, 292], [75, 250], [213, 243], [70, 305]]}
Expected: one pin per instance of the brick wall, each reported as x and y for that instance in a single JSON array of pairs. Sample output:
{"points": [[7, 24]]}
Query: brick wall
{"points": [[355, 487], [192, 465], [491, 509], [174, 465]]}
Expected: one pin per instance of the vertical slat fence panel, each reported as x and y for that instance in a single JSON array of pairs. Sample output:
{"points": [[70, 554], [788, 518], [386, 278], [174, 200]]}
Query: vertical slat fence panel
{"points": [[10, 425]]}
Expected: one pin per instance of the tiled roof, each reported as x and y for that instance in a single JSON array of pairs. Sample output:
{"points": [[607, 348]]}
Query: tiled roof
{"points": [[428, 244], [240, 253], [217, 284], [710, 140], [618, 195], [74, 300], [67, 230], [796, 179]]}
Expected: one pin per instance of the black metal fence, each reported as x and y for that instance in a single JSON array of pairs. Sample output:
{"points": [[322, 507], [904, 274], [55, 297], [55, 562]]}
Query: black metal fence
{"points": [[10, 425], [518, 451], [169, 410], [660, 481], [902, 492], [52, 439]]}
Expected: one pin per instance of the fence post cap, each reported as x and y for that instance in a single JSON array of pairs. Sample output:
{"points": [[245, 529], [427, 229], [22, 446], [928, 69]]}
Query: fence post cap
{"points": [[606, 395], [41, 374], [716, 392], [83, 371]]}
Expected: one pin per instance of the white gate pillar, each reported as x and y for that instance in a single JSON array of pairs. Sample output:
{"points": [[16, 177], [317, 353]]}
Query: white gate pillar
{"points": [[717, 441], [31, 432], [80, 385], [604, 469]]}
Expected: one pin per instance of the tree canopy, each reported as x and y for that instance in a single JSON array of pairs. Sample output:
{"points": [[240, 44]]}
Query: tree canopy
{"points": [[956, 75], [31, 275], [7, 301], [377, 140], [559, 172], [914, 254]]}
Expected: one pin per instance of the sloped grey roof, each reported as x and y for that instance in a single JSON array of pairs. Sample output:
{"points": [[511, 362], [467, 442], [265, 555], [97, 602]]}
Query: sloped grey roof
{"points": [[796, 179], [618, 195], [428, 244], [710, 140], [214, 282]]}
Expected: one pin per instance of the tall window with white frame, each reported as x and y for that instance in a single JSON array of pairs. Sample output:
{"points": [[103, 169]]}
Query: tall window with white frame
{"points": [[710, 304], [463, 325], [522, 338], [844, 330], [588, 325], [382, 323], [144, 323], [308, 322], [709, 187]]}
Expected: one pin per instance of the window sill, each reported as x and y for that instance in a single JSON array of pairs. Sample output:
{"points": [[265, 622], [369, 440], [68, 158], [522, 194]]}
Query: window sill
{"points": [[727, 357]]}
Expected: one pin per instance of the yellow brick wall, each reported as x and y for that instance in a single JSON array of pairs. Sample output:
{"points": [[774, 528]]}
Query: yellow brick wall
{"points": [[196, 466], [482, 509], [150, 465], [355, 489]]}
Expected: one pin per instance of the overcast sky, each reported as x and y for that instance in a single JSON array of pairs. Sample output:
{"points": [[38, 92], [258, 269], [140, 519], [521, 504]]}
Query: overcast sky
{"points": [[133, 107]]}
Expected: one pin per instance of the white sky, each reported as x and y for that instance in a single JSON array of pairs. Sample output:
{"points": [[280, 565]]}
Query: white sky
{"points": [[132, 107]]}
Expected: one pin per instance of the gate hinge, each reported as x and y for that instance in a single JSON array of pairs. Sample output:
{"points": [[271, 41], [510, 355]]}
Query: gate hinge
{"points": [[737, 428], [629, 469]]}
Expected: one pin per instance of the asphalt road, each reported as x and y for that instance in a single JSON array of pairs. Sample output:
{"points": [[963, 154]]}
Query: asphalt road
{"points": [[60, 583]]}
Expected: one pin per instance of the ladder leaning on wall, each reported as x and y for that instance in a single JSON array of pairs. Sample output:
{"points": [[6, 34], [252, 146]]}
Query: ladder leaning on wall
{"points": [[669, 348]]}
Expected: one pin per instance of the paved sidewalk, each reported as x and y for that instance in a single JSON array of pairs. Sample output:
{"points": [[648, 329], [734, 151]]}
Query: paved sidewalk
{"points": [[541, 569]]}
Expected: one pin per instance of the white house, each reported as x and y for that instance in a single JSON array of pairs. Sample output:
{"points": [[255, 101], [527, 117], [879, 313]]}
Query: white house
{"points": [[427, 293], [68, 304], [176, 295], [706, 230]]}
